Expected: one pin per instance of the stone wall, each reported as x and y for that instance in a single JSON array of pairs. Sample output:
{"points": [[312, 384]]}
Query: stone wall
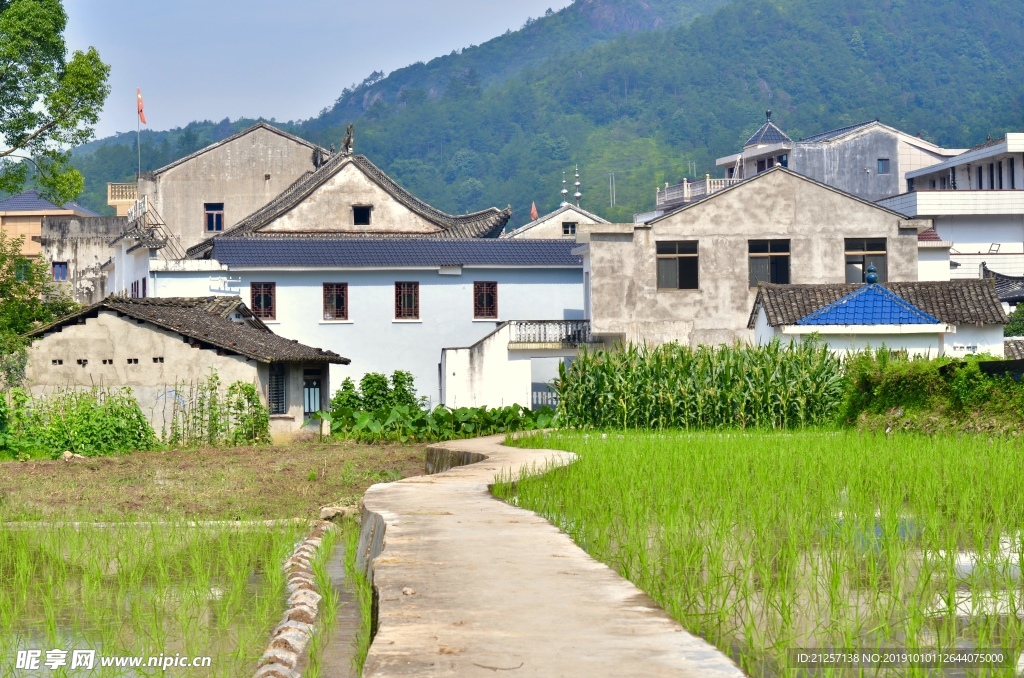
{"points": [[82, 242]]}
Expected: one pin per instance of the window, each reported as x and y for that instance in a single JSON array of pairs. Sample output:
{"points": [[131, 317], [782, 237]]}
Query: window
{"points": [[784, 159], [769, 261], [980, 175], [568, 228], [485, 300], [264, 302], [82, 361], [765, 164], [311, 385], [133, 361], [144, 286], [108, 361], [677, 265], [1013, 177], [361, 215], [214, 212], [21, 269], [862, 253], [407, 301], [910, 185], [60, 270], [335, 301], [277, 399], [732, 172], [883, 165], [57, 362], [158, 359], [999, 174], [991, 176]]}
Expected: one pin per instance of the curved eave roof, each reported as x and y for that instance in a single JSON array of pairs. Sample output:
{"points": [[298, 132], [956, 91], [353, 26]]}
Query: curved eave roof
{"points": [[483, 224]]}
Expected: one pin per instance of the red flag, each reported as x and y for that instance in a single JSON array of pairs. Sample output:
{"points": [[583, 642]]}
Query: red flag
{"points": [[142, 116], [533, 209]]}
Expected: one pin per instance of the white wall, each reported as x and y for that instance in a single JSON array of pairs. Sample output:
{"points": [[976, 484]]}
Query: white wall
{"points": [[933, 263], [973, 339], [372, 338]]}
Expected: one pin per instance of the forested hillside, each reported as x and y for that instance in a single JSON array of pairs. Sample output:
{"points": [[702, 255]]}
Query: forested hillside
{"points": [[644, 104]]}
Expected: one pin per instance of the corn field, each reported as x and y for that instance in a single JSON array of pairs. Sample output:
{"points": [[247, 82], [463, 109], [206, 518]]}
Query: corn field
{"points": [[673, 386]]}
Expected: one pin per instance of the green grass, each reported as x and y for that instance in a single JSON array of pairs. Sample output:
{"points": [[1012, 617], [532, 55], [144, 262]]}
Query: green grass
{"points": [[144, 589], [764, 542]]}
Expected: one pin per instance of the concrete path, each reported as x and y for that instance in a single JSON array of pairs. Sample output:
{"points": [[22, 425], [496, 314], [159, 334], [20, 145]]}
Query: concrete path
{"points": [[470, 586]]}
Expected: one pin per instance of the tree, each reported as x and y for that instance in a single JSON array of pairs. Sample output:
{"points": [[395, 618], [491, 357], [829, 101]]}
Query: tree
{"points": [[48, 102], [28, 298]]}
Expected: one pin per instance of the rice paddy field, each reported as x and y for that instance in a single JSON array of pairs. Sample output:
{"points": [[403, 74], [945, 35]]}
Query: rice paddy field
{"points": [[766, 543]]}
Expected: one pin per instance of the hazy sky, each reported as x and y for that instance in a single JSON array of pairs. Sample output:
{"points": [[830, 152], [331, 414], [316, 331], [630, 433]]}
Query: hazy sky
{"points": [[285, 60]]}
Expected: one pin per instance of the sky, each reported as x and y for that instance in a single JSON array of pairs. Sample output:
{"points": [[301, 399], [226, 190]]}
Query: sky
{"points": [[214, 59]]}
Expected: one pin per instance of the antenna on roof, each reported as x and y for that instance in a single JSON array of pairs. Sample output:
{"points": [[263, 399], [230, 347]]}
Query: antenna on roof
{"points": [[577, 195], [565, 192]]}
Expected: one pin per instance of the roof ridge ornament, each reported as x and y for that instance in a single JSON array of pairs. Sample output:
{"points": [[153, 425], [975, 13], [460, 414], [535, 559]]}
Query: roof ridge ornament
{"points": [[565, 192], [577, 195], [872, 276], [349, 142]]}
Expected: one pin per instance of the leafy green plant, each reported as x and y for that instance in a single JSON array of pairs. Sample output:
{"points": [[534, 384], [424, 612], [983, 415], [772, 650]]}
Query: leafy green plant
{"points": [[203, 415], [673, 386]]}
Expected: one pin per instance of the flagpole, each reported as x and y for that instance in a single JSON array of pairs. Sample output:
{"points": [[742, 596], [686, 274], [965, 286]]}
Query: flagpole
{"points": [[138, 140]]}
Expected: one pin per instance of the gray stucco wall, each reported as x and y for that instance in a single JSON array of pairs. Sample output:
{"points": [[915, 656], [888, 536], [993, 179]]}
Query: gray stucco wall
{"points": [[626, 301], [852, 164], [234, 174], [82, 242]]}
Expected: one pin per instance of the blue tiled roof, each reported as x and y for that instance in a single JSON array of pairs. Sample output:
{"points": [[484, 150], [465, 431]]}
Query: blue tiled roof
{"points": [[869, 305], [31, 201], [768, 134], [397, 252]]}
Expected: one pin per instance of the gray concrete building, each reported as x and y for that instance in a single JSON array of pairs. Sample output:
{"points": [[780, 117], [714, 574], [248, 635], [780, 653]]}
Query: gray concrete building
{"points": [[79, 247], [692, 275]]}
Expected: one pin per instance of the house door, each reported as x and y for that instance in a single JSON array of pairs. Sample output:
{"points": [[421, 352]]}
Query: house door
{"points": [[311, 384]]}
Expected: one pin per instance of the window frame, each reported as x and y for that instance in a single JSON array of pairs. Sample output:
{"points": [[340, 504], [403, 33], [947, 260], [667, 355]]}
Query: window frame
{"points": [[478, 289], [210, 209], [884, 166], [775, 258], [569, 228], [268, 288], [61, 266], [369, 215], [403, 288], [341, 287], [277, 393], [679, 257], [867, 257]]}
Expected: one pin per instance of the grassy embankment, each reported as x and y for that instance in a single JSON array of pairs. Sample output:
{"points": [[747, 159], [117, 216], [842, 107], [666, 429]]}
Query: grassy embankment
{"points": [[763, 542], [152, 583]]}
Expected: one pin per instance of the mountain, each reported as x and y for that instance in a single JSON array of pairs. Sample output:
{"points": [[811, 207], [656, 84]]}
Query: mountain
{"points": [[657, 91]]}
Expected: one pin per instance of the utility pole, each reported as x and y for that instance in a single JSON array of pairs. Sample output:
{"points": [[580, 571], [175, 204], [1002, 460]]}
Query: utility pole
{"points": [[611, 189]]}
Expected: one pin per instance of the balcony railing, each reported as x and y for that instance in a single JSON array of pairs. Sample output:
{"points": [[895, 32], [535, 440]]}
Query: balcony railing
{"points": [[551, 333], [122, 193], [688, 191]]}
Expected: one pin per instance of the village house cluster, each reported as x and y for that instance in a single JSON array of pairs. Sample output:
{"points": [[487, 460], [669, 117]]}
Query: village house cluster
{"points": [[275, 261]]}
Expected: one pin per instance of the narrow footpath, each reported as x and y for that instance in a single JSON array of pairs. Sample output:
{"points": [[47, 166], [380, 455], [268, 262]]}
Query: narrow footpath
{"points": [[471, 586]]}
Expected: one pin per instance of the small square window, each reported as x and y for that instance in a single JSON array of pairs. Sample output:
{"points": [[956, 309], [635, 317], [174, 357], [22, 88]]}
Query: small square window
{"points": [[361, 215], [57, 362], [883, 165], [214, 216], [159, 359], [83, 362], [60, 270], [568, 228], [133, 361]]}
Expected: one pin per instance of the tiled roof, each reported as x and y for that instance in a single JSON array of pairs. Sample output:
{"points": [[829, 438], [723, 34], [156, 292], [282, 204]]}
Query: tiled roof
{"points": [[31, 201], [836, 133], [869, 305], [1008, 288], [394, 253], [928, 235], [483, 224], [1013, 349], [768, 134], [955, 302], [206, 320], [565, 208], [988, 142]]}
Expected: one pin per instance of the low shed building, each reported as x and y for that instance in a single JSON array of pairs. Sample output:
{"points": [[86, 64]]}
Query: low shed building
{"points": [[954, 318], [159, 347]]}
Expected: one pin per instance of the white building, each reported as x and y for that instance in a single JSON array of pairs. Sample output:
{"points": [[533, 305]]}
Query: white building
{"points": [[562, 223], [976, 201], [952, 318], [390, 303]]}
